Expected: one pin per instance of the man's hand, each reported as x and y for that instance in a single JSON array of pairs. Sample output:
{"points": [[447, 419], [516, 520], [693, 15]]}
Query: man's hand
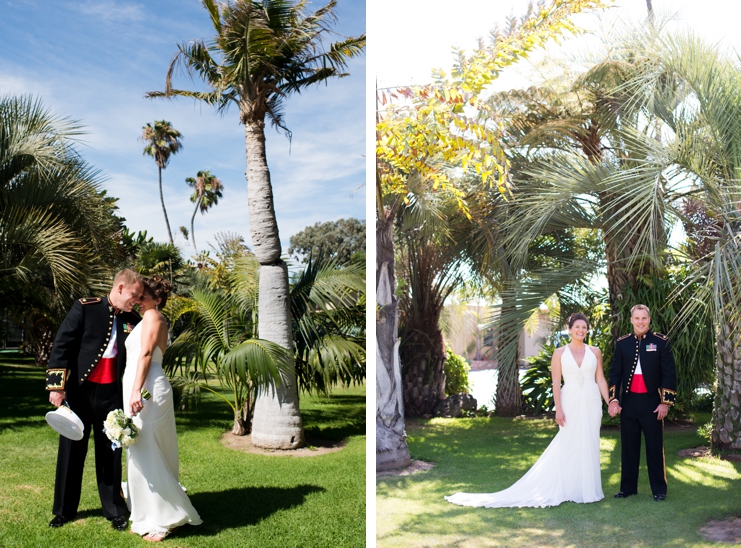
{"points": [[614, 408], [661, 411], [56, 397]]}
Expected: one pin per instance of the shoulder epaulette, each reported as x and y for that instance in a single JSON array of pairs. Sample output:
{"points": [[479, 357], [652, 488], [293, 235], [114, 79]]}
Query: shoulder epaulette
{"points": [[90, 300], [661, 336], [624, 337]]}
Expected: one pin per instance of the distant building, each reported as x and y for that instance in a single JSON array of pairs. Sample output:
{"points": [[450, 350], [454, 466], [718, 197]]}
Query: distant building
{"points": [[469, 335]]}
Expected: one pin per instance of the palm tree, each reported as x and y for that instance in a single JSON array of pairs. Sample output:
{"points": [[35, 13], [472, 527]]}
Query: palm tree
{"points": [[694, 87], [262, 53], [162, 141], [328, 310], [206, 193], [219, 340], [59, 235]]}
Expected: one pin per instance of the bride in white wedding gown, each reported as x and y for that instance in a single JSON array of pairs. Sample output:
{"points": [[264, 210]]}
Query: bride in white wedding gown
{"points": [[569, 468], [156, 499]]}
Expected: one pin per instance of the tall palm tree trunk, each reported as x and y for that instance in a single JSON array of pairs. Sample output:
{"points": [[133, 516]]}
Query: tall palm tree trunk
{"points": [[164, 211], [277, 422], [391, 439], [726, 416], [192, 227], [508, 397]]}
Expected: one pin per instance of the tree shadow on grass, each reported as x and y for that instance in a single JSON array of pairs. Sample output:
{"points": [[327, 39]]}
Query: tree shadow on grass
{"points": [[22, 396], [243, 507], [339, 417]]}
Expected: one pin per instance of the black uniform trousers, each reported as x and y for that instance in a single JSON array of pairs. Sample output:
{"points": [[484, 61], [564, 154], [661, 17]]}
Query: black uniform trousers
{"points": [[637, 416], [91, 402]]}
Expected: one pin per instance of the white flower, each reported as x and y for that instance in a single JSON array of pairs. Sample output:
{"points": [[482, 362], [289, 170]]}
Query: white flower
{"points": [[120, 429]]}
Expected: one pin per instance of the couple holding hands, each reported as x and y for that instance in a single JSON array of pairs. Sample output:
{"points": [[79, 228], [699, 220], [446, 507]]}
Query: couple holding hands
{"points": [[642, 388]]}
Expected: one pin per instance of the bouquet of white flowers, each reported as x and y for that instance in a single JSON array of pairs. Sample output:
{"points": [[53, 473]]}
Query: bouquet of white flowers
{"points": [[120, 429]]}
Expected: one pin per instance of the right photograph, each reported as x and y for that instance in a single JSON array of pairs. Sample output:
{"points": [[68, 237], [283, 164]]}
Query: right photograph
{"points": [[558, 273]]}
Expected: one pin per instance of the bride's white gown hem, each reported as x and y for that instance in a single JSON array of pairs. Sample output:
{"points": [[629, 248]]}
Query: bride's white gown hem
{"points": [[156, 499], [569, 468]]}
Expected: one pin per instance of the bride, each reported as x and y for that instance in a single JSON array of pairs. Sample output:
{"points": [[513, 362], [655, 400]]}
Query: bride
{"points": [[569, 468], [157, 501]]}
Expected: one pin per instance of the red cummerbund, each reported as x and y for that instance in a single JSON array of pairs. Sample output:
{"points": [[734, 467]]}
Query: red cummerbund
{"points": [[638, 385], [104, 372]]}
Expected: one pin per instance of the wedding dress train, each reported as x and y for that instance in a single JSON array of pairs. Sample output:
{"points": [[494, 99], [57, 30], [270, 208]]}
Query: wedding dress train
{"points": [[156, 499], [569, 468]]}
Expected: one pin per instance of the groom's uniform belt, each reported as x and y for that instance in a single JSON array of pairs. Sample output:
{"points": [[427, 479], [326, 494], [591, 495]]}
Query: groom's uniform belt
{"points": [[104, 371]]}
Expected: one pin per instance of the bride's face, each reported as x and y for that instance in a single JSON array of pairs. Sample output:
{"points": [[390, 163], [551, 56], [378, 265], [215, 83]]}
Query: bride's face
{"points": [[579, 330], [147, 302]]}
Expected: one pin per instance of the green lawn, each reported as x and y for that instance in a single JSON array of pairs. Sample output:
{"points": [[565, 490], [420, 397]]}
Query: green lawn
{"points": [[243, 499], [490, 454]]}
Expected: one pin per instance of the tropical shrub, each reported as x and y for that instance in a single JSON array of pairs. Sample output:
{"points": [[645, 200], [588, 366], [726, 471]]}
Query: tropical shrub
{"points": [[456, 373], [537, 384]]}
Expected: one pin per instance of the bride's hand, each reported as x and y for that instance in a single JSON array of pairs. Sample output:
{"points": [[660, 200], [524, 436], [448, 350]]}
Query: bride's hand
{"points": [[560, 418], [135, 404]]}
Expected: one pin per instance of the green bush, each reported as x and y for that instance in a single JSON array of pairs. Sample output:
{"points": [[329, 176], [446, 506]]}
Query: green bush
{"points": [[537, 384], [456, 373]]}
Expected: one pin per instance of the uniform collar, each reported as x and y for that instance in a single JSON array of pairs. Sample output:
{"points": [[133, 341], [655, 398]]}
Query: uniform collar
{"points": [[641, 337], [111, 308]]}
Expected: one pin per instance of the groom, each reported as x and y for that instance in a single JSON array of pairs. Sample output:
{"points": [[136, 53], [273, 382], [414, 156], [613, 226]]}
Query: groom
{"points": [[85, 369], [643, 384]]}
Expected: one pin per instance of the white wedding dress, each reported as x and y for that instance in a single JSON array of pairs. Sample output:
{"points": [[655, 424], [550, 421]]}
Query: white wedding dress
{"points": [[156, 499], [569, 468]]}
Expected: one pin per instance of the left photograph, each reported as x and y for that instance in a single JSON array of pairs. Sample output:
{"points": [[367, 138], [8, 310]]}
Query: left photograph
{"points": [[182, 296]]}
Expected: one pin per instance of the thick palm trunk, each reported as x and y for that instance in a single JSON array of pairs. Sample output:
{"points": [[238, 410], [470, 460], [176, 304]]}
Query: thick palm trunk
{"points": [[508, 397], [164, 211], [192, 227], [391, 440], [277, 422], [423, 357], [727, 408]]}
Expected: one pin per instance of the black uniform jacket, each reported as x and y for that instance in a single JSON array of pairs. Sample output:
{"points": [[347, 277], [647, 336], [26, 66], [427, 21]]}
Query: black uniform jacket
{"points": [[657, 365], [83, 338]]}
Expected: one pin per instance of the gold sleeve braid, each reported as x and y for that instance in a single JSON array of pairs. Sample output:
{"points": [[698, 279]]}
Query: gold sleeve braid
{"points": [[56, 379], [668, 396]]}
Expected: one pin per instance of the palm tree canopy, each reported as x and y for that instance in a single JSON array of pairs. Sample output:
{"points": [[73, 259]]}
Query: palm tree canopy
{"points": [[262, 52], [162, 141], [207, 189]]}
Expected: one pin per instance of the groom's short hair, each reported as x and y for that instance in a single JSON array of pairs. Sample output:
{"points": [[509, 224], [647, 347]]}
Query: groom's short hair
{"points": [[127, 277], [640, 307]]}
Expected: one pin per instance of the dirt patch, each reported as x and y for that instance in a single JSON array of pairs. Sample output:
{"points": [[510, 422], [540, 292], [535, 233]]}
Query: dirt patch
{"points": [[727, 530], [704, 451], [415, 467], [695, 452], [313, 448]]}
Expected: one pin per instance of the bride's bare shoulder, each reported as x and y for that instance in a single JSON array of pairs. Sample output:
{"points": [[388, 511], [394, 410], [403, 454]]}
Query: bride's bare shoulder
{"points": [[596, 350], [558, 351], [153, 316]]}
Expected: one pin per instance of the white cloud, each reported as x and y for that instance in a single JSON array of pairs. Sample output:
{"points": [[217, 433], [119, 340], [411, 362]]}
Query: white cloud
{"points": [[110, 11]]}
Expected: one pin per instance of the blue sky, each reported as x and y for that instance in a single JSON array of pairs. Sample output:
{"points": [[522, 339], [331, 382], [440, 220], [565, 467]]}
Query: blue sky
{"points": [[93, 60]]}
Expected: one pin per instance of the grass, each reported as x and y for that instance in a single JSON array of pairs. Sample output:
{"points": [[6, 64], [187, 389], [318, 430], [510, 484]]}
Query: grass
{"points": [[490, 454], [243, 499]]}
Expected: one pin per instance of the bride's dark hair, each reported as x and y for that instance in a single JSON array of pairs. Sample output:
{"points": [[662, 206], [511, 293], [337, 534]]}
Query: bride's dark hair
{"points": [[577, 316], [158, 287]]}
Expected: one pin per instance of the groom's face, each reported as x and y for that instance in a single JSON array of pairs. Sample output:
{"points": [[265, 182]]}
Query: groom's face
{"points": [[128, 295], [640, 320]]}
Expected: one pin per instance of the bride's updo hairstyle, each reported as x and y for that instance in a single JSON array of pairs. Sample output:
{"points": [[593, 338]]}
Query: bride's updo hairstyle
{"points": [[577, 316], [159, 288]]}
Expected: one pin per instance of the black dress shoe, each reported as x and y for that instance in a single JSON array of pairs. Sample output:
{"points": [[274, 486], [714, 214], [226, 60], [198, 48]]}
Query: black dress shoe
{"points": [[622, 495], [58, 521], [120, 523], [660, 497]]}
